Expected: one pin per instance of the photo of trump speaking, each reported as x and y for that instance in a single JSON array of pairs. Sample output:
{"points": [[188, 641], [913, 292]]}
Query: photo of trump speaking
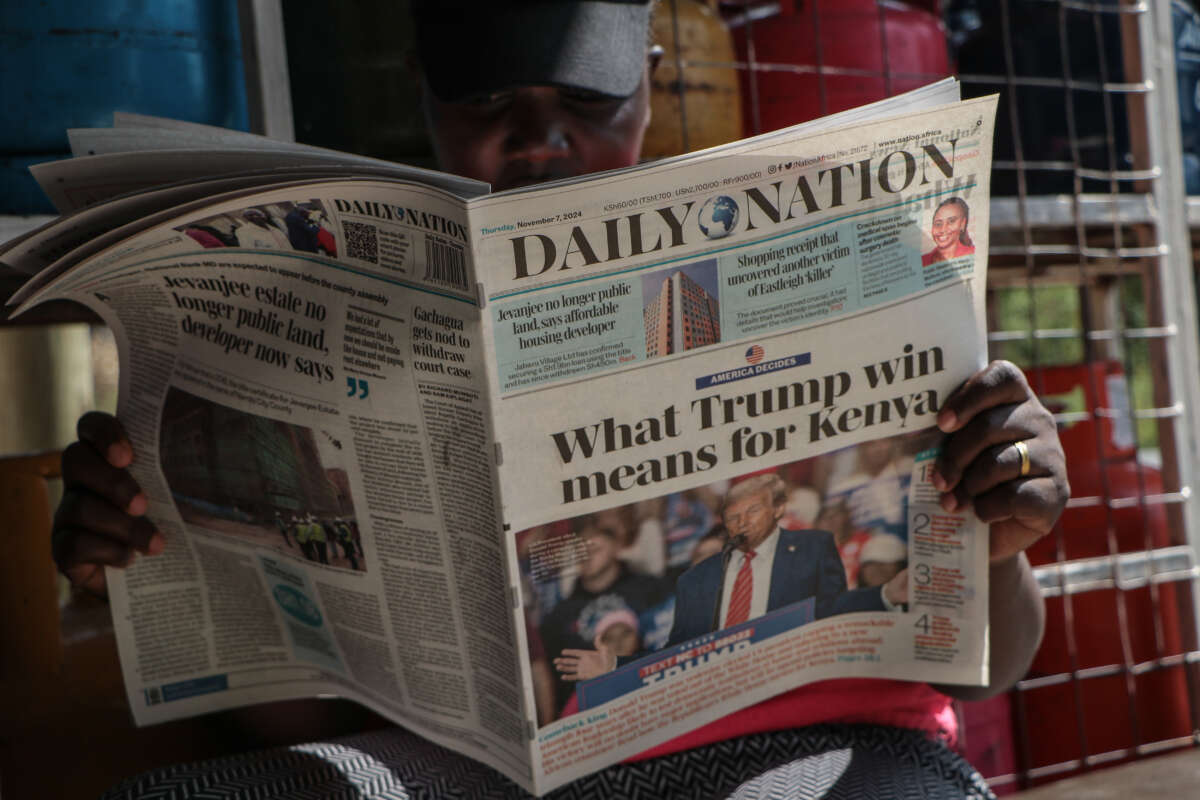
{"points": [[819, 537]]}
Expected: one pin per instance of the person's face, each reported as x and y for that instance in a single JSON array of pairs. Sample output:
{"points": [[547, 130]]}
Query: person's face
{"points": [[601, 552], [753, 516], [873, 456], [533, 134], [948, 224], [621, 638], [877, 573], [614, 520], [836, 520]]}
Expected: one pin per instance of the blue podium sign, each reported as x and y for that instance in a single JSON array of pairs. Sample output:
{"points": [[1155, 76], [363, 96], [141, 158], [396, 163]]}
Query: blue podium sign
{"points": [[671, 661]]}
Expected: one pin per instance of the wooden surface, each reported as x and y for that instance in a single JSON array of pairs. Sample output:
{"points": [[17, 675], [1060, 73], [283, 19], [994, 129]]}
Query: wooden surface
{"points": [[1175, 775], [65, 726]]}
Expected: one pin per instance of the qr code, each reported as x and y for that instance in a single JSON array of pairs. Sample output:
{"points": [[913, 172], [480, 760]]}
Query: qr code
{"points": [[361, 241]]}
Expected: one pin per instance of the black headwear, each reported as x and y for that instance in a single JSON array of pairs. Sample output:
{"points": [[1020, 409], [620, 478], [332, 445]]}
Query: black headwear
{"points": [[476, 48]]}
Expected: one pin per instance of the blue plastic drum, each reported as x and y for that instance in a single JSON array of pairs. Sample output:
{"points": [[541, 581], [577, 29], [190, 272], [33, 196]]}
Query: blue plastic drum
{"points": [[19, 192], [71, 63]]}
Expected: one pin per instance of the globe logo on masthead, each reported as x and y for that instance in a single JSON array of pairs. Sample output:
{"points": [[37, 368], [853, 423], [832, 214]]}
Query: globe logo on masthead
{"points": [[718, 216]]}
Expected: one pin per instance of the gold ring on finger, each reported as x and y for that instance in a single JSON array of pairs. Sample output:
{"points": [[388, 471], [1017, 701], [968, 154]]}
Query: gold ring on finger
{"points": [[1023, 451]]}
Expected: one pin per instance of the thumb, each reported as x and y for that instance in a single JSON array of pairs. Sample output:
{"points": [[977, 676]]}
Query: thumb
{"points": [[607, 652]]}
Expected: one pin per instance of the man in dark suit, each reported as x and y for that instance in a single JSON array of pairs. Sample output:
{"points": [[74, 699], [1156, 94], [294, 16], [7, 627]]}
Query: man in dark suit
{"points": [[763, 567]]}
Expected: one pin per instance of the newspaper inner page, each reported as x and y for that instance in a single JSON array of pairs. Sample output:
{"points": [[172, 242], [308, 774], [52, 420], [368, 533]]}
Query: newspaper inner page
{"points": [[74, 183], [307, 365], [33, 253], [732, 364]]}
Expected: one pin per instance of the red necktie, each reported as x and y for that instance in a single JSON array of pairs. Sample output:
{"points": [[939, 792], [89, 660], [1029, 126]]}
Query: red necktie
{"points": [[743, 589]]}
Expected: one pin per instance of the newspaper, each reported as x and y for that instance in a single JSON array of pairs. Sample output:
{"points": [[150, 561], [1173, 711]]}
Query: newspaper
{"points": [[438, 454]]}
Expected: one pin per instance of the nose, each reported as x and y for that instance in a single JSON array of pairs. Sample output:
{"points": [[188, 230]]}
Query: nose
{"points": [[537, 132]]}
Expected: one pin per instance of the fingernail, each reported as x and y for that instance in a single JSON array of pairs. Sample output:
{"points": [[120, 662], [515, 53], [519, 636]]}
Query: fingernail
{"points": [[939, 482], [120, 454], [156, 544], [949, 502], [137, 506], [947, 420]]}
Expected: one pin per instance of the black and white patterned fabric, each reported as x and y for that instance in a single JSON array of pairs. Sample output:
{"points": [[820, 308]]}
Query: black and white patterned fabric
{"points": [[826, 762]]}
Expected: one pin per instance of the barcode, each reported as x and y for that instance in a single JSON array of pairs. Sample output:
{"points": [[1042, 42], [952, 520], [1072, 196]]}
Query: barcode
{"points": [[444, 263]]}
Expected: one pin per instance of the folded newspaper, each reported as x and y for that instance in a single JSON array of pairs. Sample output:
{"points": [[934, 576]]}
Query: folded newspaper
{"points": [[498, 465]]}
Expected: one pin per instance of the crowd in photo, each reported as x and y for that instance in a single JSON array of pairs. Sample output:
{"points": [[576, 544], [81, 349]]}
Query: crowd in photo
{"points": [[303, 227], [319, 539], [609, 577]]}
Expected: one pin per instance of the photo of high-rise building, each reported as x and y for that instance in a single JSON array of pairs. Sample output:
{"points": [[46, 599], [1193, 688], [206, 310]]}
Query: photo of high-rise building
{"points": [[682, 311], [267, 482]]}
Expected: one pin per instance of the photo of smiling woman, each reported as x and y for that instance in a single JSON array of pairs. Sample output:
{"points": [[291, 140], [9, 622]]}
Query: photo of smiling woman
{"points": [[949, 232]]}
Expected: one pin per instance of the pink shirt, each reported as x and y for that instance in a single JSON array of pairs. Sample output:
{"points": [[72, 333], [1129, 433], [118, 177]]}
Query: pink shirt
{"points": [[900, 704]]}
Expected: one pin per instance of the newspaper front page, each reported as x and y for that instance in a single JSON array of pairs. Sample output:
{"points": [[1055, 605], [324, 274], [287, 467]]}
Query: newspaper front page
{"points": [[408, 449], [775, 327]]}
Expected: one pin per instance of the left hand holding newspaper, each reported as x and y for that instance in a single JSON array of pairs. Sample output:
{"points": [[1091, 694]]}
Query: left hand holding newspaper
{"points": [[101, 519]]}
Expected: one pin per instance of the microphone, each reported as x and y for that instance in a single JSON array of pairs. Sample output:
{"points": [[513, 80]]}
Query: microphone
{"points": [[732, 544]]}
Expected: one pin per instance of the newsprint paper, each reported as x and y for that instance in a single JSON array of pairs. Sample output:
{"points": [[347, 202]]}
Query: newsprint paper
{"points": [[408, 448]]}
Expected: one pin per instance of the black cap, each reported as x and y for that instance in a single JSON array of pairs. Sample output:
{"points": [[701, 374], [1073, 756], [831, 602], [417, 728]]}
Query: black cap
{"points": [[470, 49]]}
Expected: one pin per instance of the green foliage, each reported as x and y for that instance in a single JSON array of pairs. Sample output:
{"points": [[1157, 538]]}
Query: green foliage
{"points": [[1057, 312]]}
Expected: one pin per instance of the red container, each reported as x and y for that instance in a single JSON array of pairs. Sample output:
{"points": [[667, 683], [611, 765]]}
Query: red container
{"points": [[1101, 463], [815, 57], [1105, 627]]}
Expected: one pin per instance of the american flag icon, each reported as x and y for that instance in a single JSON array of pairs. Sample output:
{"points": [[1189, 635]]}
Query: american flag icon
{"points": [[754, 354]]}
